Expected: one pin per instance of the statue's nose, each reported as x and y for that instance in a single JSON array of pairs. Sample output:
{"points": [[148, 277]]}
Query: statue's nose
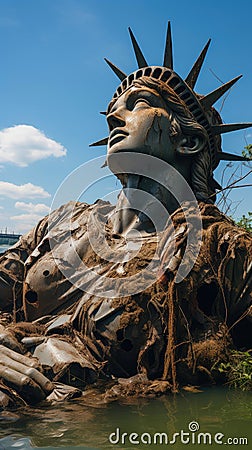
{"points": [[114, 120]]}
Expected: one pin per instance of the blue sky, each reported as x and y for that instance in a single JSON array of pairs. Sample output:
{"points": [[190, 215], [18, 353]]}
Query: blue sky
{"points": [[54, 82]]}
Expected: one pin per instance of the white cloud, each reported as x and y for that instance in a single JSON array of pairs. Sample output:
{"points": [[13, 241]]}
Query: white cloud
{"points": [[33, 213], [25, 144], [31, 218], [28, 191], [38, 208], [25, 222]]}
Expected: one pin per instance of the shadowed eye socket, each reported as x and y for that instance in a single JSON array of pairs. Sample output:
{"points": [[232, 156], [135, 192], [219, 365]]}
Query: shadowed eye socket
{"points": [[136, 101], [142, 98], [141, 102]]}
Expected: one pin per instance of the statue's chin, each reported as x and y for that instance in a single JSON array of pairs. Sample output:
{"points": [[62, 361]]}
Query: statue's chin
{"points": [[121, 161]]}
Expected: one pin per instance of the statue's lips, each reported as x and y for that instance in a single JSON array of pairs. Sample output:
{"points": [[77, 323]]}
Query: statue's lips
{"points": [[116, 136]]}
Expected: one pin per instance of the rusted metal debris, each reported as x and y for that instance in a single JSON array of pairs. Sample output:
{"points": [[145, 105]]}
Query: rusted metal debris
{"points": [[170, 332]]}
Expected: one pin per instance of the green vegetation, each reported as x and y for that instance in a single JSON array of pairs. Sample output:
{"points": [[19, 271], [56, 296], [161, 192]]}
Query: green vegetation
{"points": [[247, 152], [245, 221], [238, 370]]}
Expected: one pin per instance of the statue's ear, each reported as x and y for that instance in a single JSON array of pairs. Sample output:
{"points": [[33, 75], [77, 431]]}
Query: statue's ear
{"points": [[191, 145]]}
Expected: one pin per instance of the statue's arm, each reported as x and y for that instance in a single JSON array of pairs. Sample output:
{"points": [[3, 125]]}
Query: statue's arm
{"points": [[12, 265], [34, 244]]}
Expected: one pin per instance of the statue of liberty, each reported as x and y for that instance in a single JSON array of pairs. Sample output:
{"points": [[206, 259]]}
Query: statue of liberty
{"points": [[157, 287]]}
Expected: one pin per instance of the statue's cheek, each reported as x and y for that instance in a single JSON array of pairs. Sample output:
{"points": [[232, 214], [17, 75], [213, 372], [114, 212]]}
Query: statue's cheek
{"points": [[157, 136]]}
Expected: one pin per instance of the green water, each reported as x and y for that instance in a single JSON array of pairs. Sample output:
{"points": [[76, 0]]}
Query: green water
{"points": [[70, 424], [82, 425]]}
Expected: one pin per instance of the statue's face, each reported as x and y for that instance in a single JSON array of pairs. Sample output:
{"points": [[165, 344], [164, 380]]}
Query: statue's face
{"points": [[139, 122]]}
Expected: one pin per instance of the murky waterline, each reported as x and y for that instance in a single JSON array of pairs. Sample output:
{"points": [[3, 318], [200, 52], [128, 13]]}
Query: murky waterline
{"points": [[74, 423]]}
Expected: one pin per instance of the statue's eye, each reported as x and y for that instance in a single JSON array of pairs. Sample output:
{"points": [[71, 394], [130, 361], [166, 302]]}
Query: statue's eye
{"points": [[141, 102]]}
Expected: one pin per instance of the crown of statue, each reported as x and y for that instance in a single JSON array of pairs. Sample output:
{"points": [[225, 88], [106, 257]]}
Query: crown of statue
{"points": [[201, 107]]}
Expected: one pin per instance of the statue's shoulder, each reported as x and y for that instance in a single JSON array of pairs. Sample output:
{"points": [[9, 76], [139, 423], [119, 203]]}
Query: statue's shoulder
{"points": [[76, 210], [68, 208], [211, 213], [222, 229], [216, 226]]}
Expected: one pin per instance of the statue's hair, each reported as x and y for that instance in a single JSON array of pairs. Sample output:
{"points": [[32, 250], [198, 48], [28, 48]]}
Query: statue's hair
{"points": [[184, 124]]}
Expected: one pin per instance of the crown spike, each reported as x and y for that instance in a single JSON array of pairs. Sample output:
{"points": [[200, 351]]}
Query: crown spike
{"points": [[227, 128], [223, 156], [141, 61], [121, 75], [98, 143], [192, 77], [168, 56], [210, 99]]}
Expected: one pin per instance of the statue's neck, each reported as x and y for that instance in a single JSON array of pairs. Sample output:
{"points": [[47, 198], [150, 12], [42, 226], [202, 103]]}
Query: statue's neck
{"points": [[142, 205]]}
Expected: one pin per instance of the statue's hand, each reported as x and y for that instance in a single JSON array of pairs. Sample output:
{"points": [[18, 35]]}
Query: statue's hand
{"points": [[8, 339], [22, 374]]}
